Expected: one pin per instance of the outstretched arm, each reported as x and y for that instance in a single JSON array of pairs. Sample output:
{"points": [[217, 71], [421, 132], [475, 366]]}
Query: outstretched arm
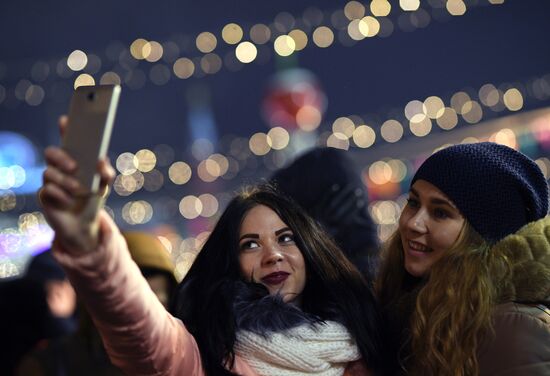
{"points": [[140, 336]]}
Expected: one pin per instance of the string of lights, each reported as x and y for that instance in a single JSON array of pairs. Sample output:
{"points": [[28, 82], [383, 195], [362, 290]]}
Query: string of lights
{"points": [[207, 52]]}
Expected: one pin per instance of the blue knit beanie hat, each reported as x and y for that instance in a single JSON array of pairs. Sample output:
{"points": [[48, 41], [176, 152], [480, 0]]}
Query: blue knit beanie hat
{"points": [[496, 188]]}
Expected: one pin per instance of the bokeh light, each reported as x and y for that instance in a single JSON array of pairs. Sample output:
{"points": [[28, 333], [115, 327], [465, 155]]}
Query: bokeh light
{"points": [[323, 37], [391, 131], [84, 79], [364, 136], [190, 207], [246, 52], [284, 45], [258, 144], [380, 8], [184, 68], [77, 60], [513, 100], [232, 33], [278, 138], [179, 173], [338, 141], [206, 42]]}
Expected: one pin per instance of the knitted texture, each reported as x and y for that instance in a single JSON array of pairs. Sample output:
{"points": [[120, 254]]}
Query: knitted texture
{"points": [[324, 349], [496, 188]]}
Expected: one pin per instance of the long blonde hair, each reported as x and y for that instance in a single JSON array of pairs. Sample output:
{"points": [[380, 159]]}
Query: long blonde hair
{"points": [[453, 309]]}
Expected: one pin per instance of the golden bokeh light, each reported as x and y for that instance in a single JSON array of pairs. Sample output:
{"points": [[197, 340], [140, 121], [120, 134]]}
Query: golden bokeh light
{"points": [[232, 33], [323, 37], [458, 100], [260, 34], [278, 138], [398, 170], [210, 205], [284, 45], [246, 52], [391, 131], [126, 163], [137, 48], [308, 118], [184, 68], [343, 125], [385, 212], [489, 95], [354, 10], [380, 8], [222, 163], [84, 79], [146, 160], [208, 170], [409, 5], [206, 42], [258, 144], [77, 60], [420, 127], [433, 105], [179, 173], [357, 29], [447, 118], [513, 100], [125, 185], [300, 39], [338, 141], [155, 52], [369, 26], [456, 7], [415, 111], [380, 172], [364, 136], [137, 212], [505, 137], [190, 207], [472, 112]]}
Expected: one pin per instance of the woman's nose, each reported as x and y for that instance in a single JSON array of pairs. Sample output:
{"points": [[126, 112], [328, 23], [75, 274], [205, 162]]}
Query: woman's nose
{"points": [[272, 255], [417, 222]]}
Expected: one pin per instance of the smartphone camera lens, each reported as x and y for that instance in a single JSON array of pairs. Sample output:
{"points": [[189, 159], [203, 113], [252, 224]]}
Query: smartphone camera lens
{"points": [[91, 96]]}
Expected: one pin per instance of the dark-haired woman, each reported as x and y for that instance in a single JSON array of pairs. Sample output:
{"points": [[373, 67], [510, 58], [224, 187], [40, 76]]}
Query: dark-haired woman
{"points": [[466, 278], [269, 294]]}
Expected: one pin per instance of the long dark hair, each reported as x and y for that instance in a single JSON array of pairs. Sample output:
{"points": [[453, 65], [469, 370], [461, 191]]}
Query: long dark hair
{"points": [[335, 290]]}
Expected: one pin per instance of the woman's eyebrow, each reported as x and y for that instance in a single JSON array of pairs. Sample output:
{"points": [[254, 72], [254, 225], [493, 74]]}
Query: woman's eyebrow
{"points": [[253, 236], [284, 229], [441, 201]]}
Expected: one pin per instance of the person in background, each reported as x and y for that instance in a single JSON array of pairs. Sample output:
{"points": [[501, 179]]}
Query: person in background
{"points": [[60, 294], [83, 353], [465, 281], [327, 184], [36, 309]]}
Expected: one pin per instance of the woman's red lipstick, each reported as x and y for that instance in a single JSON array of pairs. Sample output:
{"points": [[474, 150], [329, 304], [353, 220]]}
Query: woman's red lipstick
{"points": [[275, 278]]}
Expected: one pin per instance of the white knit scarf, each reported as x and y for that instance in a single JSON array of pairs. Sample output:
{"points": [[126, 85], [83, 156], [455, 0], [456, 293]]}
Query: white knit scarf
{"points": [[323, 350]]}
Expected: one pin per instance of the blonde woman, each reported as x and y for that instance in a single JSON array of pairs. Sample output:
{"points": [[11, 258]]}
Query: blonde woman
{"points": [[465, 281]]}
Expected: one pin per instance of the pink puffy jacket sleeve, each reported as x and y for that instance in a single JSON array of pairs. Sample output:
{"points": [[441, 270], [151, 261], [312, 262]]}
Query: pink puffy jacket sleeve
{"points": [[141, 337]]}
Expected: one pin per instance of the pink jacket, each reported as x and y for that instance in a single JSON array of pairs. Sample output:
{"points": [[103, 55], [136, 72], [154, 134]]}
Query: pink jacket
{"points": [[140, 336]]}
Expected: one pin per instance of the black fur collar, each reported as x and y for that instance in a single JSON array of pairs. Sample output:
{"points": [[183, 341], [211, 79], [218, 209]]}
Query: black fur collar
{"points": [[257, 311]]}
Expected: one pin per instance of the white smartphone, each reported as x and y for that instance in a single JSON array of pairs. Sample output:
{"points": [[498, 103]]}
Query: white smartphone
{"points": [[91, 117]]}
